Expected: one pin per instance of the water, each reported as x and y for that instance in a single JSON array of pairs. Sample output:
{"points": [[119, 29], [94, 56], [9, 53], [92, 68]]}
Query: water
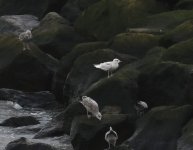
{"points": [[8, 134]]}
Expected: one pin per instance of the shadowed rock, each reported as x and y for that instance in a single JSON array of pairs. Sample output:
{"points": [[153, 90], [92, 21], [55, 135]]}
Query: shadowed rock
{"points": [[160, 128], [19, 121], [87, 133], [24, 144]]}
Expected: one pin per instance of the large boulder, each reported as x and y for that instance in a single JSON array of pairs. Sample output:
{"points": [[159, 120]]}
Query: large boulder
{"points": [[61, 124], [16, 24], [54, 35], [23, 143], [136, 44], [160, 128], [87, 133], [184, 4], [102, 20], [180, 52], [67, 63], [185, 141], [42, 99], [19, 121], [123, 89], [73, 8], [83, 73], [24, 70], [166, 20], [166, 83], [34, 7], [180, 33]]}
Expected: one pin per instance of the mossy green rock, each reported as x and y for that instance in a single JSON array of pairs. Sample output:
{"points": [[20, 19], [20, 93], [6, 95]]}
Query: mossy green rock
{"points": [[87, 133], [166, 20], [166, 83], [24, 70], [55, 36], [34, 7], [182, 32], [184, 4], [180, 52], [136, 44], [160, 128], [109, 17], [123, 87], [83, 73], [73, 8]]}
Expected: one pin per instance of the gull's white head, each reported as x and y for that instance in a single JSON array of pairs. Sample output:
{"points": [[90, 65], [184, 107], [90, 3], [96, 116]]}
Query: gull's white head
{"points": [[116, 60], [84, 97], [28, 31], [98, 116], [110, 128]]}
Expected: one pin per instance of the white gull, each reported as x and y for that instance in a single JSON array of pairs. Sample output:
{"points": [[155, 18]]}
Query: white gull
{"points": [[111, 137], [108, 66], [91, 106], [25, 37], [141, 107]]}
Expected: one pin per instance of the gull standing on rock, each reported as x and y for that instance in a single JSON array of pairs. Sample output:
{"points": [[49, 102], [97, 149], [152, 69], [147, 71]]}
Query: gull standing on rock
{"points": [[141, 107], [91, 106], [25, 37], [111, 137], [108, 66]]}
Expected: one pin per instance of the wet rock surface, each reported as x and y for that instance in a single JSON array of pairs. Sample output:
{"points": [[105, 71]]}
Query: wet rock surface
{"points": [[20, 121]]}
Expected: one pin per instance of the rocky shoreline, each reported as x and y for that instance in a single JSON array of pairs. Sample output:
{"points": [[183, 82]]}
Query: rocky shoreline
{"points": [[152, 38]]}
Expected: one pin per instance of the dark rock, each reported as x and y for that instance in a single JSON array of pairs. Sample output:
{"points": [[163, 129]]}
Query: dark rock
{"points": [[102, 20], [184, 4], [160, 128], [73, 8], [52, 129], [24, 70], [55, 36], [67, 63], [43, 99], [166, 83], [61, 124], [166, 20], [83, 74], [24, 144], [20, 121], [34, 7], [16, 24], [123, 89], [185, 141], [87, 133], [136, 44], [180, 33], [180, 52]]}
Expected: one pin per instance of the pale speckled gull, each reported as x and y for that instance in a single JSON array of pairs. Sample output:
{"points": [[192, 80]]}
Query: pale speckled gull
{"points": [[25, 37], [91, 106], [108, 66], [141, 107], [111, 137]]}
